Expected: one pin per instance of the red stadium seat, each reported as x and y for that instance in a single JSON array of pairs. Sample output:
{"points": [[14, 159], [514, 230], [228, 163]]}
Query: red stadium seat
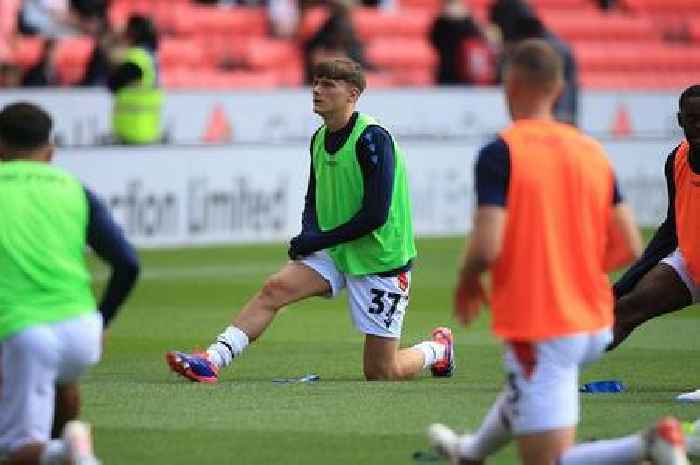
{"points": [[208, 79], [401, 54], [208, 40], [72, 56], [242, 21], [596, 26], [180, 52], [74, 50], [430, 7], [27, 51], [372, 23], [694, 28], [380, 80], [664, 7], [270, 53], [621, 58], [417, 77], [290, 75], [221, 51], [164, 14], [560, 4], [311, 22]]}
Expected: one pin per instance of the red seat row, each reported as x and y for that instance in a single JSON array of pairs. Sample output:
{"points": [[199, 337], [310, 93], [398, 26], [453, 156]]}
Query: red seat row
{"points": [[637, 57], [72, 55], [597, 26], [183, 18], [663, 7]]}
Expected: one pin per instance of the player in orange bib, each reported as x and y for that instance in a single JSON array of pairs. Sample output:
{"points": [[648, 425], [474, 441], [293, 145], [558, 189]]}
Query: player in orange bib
{"points": [[667, 276], [549, 225]]}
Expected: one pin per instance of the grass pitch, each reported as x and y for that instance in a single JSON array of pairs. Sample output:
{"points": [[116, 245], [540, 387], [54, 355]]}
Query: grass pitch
{"points": [[144, 415]]}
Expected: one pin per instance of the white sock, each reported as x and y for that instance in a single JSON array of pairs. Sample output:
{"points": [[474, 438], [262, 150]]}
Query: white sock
{"points": [[621, 451], [493, 433], [432, 352], [55, 453], [228, 345]]}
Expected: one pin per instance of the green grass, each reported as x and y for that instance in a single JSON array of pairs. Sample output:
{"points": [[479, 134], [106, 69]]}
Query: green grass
{"points": [[144, 415]]}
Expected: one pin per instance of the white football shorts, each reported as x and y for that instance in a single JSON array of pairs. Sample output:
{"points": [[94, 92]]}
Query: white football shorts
{"points": [[32, 363], [542, 390], [377, 304], [676, 260]]}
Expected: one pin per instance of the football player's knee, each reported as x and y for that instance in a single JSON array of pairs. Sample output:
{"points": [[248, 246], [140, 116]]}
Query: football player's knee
{"points": [[276, 292]]}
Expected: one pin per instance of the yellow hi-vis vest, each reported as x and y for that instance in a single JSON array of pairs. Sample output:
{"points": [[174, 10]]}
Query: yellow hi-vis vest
{"points": [[137, 107]]}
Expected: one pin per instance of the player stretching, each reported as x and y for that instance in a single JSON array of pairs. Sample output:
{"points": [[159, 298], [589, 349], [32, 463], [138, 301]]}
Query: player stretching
{"points": [[50, 332], [548, 211], [356, 233], [667, 277]]}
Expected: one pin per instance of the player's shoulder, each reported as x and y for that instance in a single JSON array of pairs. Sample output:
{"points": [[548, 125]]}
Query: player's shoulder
{"points": [[495, 148], [587, 145], [35, 169], [373, 137], [671, 160], [672, 154], [314, 137]]}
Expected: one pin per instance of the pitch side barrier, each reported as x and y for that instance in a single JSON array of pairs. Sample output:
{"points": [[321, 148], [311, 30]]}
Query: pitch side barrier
{"points": [[175, 196], [284, 116]]}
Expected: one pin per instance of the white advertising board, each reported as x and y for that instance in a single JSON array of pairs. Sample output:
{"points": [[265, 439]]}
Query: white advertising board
{"points": [[238, 193], [83, 116]]}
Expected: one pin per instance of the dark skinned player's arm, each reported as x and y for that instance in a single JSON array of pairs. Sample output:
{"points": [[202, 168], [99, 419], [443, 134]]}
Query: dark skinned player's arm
{"points": [[662, 243]]}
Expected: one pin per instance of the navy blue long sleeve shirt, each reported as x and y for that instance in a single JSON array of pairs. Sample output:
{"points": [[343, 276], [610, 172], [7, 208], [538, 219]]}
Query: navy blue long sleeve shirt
{"points": [[375, 155], [107, 239]]}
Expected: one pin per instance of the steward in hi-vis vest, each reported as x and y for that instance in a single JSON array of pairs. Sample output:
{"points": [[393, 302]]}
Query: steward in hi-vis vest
{"points": [[138, 99]]}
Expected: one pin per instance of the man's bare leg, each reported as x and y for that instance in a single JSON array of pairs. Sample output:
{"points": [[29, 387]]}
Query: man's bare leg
{"points": [[659, 292]]}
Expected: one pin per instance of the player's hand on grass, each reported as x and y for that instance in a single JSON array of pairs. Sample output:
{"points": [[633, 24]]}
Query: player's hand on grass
{"points": [[468, 299]]}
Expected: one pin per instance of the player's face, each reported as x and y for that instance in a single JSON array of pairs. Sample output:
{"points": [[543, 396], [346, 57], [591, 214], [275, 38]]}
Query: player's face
{"points": [[689, 119], [331, 96]]}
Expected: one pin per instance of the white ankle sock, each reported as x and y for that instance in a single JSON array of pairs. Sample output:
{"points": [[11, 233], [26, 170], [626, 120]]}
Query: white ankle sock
{"points": [[55, 453], [493, 433], [432, 352], [228, 345], [622, 451]]}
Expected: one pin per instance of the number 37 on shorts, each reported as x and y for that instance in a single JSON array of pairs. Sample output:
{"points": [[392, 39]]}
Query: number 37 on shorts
{"points": [[379, 303]]}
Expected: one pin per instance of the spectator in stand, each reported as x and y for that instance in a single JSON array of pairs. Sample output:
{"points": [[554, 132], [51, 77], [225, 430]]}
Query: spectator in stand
{"points": [[465, 56], [504, 14], [135, 83], [381, 4], [91, 14], [43, 73], [530, 27], [284, 17], [58, 18], [336, 38], [100, 64], [607, 4], [50, 18]]}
